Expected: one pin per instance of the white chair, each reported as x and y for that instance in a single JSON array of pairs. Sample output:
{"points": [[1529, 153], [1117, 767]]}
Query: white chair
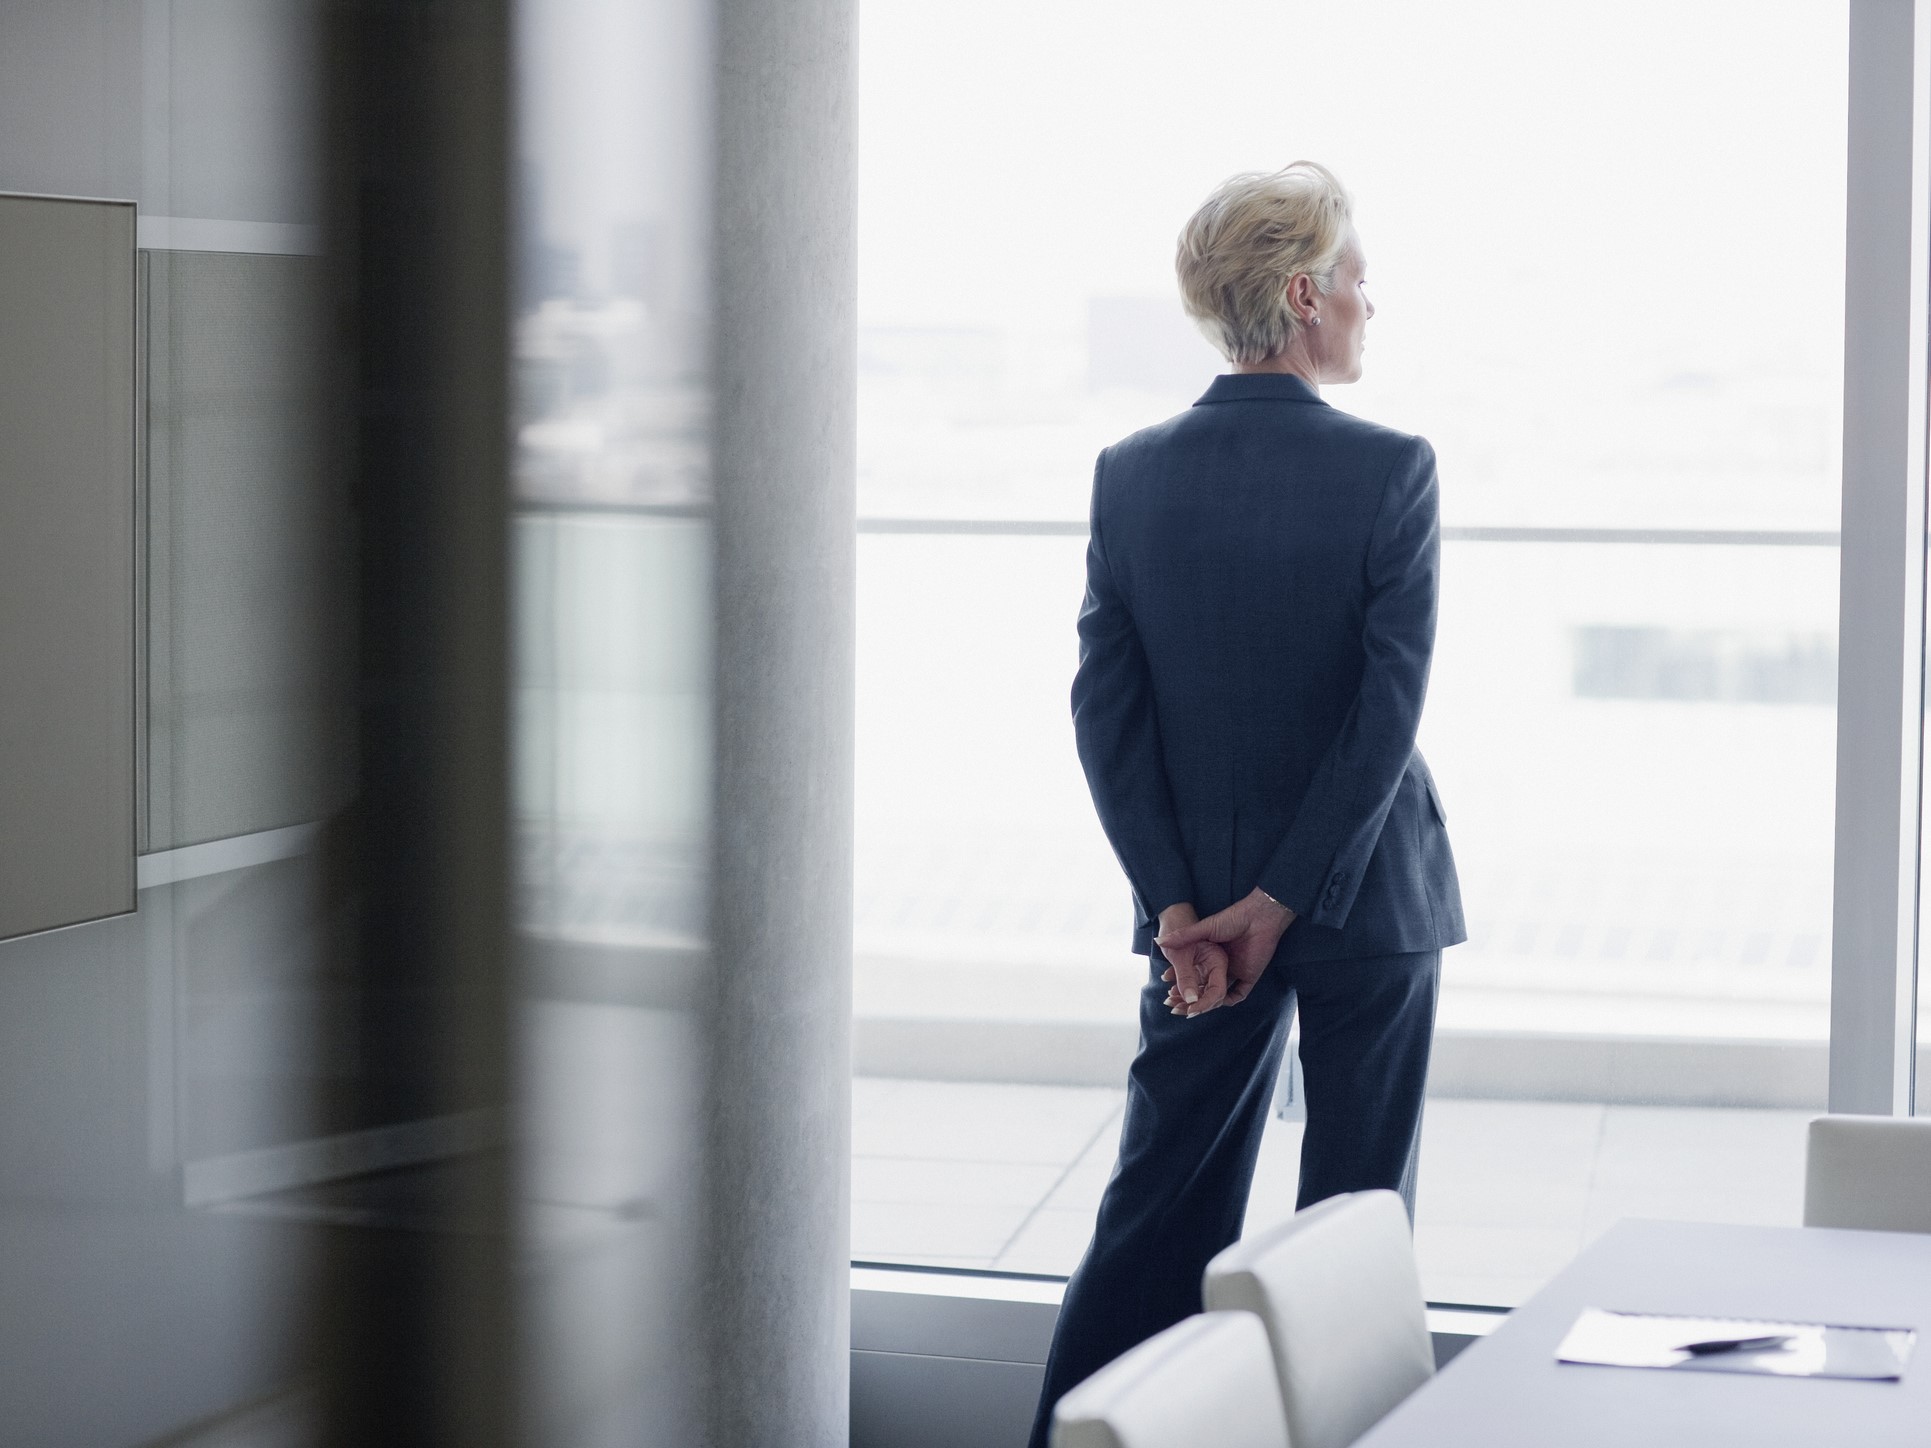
{"points": [[1869, 1172], [1337, 1287], [1207, 1380]]}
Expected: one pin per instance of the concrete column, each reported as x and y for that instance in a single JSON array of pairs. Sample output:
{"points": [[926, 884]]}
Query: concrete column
{"points": [[774, 1279]]}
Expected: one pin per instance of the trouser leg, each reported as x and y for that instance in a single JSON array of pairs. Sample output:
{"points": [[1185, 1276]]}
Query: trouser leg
{"points": [[1366, 1027], [1197, 1101]]}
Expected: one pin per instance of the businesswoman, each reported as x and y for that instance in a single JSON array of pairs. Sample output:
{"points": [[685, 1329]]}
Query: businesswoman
{"points": [[1254, 648]]}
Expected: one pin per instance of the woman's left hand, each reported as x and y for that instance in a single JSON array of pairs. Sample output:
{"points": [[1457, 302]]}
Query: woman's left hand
{"points": [[1210, 967], [1197, 975]]}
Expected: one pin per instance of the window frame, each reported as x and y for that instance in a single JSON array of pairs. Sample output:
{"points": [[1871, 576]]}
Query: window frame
{"points": [[1881, 640]]}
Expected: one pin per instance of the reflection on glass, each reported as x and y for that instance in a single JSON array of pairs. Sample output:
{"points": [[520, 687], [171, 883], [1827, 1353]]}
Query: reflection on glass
{"points": [[1579, 237], [611, 722], [165, 1076]]}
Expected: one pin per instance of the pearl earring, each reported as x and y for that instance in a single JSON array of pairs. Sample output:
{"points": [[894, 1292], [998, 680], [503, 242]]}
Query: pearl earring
{"points": [[1314, 321]]}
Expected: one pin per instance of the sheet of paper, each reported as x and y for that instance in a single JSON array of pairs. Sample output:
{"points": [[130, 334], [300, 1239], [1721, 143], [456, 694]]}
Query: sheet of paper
{"points": [[1815, 1350]]}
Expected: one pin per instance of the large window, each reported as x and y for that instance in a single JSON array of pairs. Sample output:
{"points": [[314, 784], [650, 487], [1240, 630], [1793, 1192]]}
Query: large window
{"points": [[1607, 248]]}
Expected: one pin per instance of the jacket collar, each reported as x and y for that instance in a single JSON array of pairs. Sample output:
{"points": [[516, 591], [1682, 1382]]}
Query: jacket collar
{"points": [[1259, 386]]}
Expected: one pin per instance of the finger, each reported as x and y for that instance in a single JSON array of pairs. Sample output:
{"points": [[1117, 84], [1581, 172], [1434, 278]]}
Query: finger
{"points": [[1177, 982], [1213, 973], [1186, 978], [1216, 929], [1211, 966], [1181, 937]]}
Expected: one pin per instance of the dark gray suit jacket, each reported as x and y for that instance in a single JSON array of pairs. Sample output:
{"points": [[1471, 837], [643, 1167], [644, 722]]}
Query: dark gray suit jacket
{"points": [[1254, 649]]}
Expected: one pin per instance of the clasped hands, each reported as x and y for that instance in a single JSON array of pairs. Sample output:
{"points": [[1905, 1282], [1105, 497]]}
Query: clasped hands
{"points": [[1217, 961]]}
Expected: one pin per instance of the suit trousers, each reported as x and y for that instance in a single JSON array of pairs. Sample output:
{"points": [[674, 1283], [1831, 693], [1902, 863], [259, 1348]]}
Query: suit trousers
{"points": [[1198, 1095]]}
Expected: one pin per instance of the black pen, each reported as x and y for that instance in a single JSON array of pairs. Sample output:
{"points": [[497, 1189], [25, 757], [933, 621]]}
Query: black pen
{"points": [[1735, 1344]]}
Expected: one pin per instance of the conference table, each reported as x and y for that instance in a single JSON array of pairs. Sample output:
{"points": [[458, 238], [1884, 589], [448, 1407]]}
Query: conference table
{"points": [[1508, 1391]]}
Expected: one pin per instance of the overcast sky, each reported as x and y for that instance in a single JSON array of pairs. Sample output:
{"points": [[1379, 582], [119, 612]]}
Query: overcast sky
{"points": [[1680, 162], [1605, 241]]}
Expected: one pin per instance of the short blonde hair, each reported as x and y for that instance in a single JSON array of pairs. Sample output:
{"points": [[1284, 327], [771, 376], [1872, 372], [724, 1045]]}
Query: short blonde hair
{"points": [[1254, 235]]}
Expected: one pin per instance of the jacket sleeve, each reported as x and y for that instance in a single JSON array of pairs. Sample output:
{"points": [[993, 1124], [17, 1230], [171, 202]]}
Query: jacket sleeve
{"points": [[1317, 867], [1118, 734]]}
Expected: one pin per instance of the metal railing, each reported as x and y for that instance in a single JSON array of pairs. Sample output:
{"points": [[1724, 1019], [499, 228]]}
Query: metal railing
{"points": [[1076, 528]]}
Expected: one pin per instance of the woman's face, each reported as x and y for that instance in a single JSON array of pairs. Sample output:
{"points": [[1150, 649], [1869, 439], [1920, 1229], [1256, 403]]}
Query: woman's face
{"points": [[1335, 346]]}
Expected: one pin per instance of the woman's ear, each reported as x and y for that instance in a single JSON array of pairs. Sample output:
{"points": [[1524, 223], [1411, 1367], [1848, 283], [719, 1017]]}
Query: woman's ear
{"points": [[1300, 295]]}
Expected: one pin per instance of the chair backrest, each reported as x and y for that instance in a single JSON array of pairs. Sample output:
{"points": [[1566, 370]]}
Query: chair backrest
{"points": [[1337, 1288], [1871, 1172], [1206, 1381]]}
